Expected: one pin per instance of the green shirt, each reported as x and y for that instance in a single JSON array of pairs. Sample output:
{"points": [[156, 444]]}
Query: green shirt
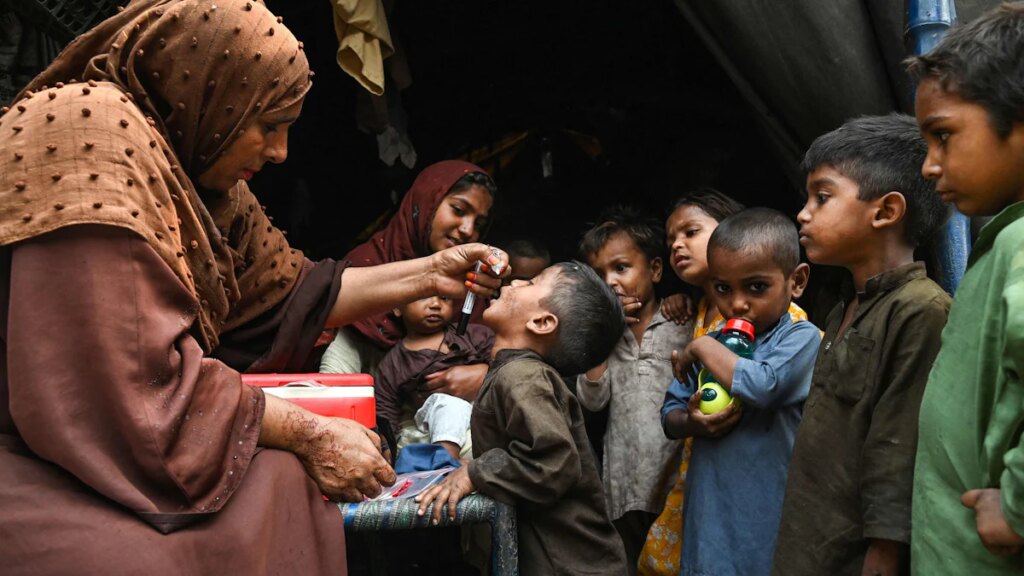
{"points": [[972, 413]]}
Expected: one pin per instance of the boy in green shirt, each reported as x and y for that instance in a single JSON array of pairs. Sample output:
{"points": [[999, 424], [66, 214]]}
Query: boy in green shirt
{"points": [[968, 505]]}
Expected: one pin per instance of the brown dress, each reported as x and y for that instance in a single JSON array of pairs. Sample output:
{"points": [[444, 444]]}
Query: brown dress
{"points": [[125, 446]]}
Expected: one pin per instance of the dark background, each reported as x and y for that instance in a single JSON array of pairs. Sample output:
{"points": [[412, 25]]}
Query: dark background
{"points": [[639, 83]]}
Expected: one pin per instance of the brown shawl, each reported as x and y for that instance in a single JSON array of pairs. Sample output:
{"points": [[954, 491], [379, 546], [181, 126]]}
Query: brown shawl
{"points": [[166, 86]]}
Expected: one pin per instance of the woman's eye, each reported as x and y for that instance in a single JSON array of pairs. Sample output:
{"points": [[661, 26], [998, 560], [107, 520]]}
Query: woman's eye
{"points": [[943, 136], [458, 210]]}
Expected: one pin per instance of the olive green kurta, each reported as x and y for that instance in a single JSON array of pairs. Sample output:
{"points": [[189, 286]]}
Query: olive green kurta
{"points": [[852, 471], [530, 449], [972, 413]]}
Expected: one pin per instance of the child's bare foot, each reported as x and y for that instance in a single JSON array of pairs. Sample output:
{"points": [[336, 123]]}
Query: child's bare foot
{"points": [[452, 448]]}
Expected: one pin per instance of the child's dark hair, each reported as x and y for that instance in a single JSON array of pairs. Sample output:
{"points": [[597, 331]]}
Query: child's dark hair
{"points": [[882, 154], [590, 319], [762, 230], [527, 248], [470, 179], [647, 233], [714, 203], [981, 62]]}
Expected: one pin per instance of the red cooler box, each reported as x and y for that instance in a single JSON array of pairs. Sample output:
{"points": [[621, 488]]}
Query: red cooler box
{"points": [[339, 395]]}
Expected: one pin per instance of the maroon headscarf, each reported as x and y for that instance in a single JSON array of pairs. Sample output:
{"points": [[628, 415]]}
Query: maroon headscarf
{"points": [[406, 236]]}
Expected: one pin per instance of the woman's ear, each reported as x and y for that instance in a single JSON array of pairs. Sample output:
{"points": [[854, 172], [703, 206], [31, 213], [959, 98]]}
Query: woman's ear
{"points": [[890, 210], [799, 279], [542, 323], [657, 268]]}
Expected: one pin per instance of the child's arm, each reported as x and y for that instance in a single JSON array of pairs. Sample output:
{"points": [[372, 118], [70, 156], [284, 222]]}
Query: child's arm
{"points": [[593, 389], [782, 376], [386, 394], [540, 462], [1000, 512]]}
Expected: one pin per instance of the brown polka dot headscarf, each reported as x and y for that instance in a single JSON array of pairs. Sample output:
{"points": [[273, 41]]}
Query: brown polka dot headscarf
{"points": [[202, 69], [117, 128]]}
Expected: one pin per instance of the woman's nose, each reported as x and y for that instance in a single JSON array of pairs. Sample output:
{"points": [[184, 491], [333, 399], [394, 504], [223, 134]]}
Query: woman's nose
{"points": [[276, 150], [467, 229]]}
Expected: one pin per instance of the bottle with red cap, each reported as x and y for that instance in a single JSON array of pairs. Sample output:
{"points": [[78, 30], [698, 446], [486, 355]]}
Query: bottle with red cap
{"points": [[738, 337]]}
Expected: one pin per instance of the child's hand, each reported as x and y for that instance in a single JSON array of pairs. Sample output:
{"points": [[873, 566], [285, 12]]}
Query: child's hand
{"points": [[683, 361], [453, 488], [459, 381], [994, 531], [883, 558], [677, 308], [631, 305], [711, 425]]}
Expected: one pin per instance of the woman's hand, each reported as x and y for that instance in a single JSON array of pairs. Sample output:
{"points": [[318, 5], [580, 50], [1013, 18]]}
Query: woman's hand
{"points": [[453, 270], [453, 488], [343, 457], [459, 381], [677, 308]]}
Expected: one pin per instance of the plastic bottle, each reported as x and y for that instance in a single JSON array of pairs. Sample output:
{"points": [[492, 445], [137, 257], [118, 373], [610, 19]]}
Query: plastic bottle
{"points": [[738, 337]]}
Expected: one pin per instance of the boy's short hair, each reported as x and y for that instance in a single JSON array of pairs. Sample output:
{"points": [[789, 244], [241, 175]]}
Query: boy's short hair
{"points": [[882, 154], [527, 248], [647, 233], [981, 62], [590, 319], [764, 230], [714, 203]]}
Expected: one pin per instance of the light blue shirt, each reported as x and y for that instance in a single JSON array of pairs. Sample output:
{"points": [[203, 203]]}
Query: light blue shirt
{"points": [[735, 484]]}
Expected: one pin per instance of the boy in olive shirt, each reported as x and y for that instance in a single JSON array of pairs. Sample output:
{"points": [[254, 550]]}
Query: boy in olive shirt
{"points": [[530, 448], [848, 495]]}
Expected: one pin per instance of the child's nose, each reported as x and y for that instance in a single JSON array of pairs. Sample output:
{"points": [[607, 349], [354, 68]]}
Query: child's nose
{"points": [[931, 169], [804, 216]]}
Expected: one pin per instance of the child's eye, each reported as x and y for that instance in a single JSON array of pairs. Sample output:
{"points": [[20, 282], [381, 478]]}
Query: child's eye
{"points": [[692, 232], [621, 268], [821, 197], [270, 128], [721, 288], [758, 287]]}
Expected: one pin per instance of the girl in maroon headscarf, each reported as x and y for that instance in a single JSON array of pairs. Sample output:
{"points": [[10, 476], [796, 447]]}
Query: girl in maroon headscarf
{"points": [[447, 205]]}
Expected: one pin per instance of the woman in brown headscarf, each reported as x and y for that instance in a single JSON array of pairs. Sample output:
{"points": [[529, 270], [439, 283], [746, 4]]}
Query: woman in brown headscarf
{"points": [[132, 256], [448, 204]]}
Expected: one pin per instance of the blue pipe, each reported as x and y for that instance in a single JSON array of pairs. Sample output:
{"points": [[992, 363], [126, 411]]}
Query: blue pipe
{"points": [[927, 22]]}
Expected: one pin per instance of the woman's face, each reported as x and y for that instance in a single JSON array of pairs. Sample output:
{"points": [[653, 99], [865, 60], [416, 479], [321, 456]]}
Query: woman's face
{"points": [[265, 140], [460, 217]]}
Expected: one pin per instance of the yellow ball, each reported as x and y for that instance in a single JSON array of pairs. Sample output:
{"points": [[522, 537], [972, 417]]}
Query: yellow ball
{"points": [[713, 398]]}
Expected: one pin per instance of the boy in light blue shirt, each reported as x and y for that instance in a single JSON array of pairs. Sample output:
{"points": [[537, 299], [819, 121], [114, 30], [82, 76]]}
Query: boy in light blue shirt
{"points": [[735, 483]]}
